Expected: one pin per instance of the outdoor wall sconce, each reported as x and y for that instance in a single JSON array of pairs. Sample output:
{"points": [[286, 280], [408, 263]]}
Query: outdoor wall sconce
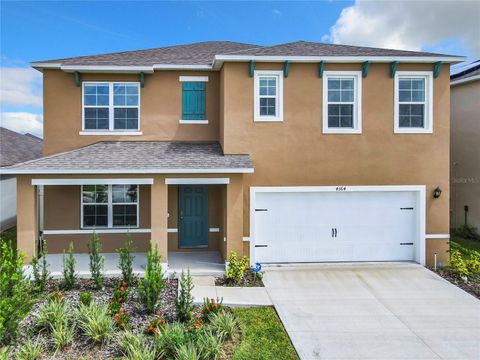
{"points": [[437, 192]]}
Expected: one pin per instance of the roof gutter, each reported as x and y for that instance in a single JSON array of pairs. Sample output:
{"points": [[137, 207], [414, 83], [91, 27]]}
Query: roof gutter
{"points": [[220, 59], [464, 80], [128, 69], [14, 171]]}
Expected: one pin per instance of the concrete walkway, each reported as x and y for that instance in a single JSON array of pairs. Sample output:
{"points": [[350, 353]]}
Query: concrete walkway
{"points": [[204, 286], [374, 311]]}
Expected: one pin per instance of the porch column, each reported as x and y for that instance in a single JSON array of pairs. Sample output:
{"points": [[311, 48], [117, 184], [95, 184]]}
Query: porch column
{"points": [[234, 215], [27, 218], [159, 203]]}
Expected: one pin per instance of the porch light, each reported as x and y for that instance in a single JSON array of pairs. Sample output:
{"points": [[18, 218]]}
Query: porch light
{"points": [[437, 192]]}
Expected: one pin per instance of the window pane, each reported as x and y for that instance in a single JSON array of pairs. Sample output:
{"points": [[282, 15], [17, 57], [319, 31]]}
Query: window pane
{"points": [[333, 121], [412, 115], [96, 118], [124, 193], [405, 84], [268, 106], [334, 95], [346, 121], [96, 94], [88, 197], [125, 118], [125, 215], [346, 109], [404, 109], [417, 121], [347, 96], [418, 84], [334, 84], [416, 109], [418, 95], [405, 95], [404, 121], [95, 215], [333, 109], [347, 84]]}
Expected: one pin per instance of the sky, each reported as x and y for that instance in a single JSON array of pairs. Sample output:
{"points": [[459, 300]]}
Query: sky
{"points": [[32, 31]]}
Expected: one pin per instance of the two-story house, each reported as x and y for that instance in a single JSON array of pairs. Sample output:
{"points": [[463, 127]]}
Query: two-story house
{"points": [[299, 152]]}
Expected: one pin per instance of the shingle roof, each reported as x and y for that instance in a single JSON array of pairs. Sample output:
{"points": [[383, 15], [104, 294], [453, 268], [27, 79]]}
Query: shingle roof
{"points": [[16, 148], [471, 72], [203, 53], [139, 157]]}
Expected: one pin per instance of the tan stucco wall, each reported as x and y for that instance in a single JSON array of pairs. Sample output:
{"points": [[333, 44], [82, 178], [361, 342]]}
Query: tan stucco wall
{"points": [[465, 149], [27, 220], [295, 152], [160, 109]]}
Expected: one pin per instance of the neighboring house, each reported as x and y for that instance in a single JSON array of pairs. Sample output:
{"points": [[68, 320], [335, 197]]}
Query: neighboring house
{"points": [[299, 152], [14, 148], [465, 146]]}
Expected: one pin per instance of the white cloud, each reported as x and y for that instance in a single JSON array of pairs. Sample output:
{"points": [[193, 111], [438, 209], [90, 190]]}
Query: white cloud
{"points": [[411, 25], [23, 122], [276, 13], [20, 87]]}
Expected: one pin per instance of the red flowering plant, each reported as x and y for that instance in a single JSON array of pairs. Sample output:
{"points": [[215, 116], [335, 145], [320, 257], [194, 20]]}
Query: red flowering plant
{"points": [[119, 296], [197, 321], [210, 307], [121, 318], [153, 327]]}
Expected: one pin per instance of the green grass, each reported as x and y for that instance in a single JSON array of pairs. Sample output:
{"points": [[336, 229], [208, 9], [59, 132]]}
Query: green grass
{"points": [[10, 235], [263, 336]]}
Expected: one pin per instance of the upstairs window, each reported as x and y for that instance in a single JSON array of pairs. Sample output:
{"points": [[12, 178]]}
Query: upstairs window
{"points": [[342, 102], [413, 102], [111, 106], [194, 99], [107, 206], [268, 96]]}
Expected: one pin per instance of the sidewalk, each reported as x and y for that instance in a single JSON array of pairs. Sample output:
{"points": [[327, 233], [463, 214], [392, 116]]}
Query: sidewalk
{"points": [[204, 286]]}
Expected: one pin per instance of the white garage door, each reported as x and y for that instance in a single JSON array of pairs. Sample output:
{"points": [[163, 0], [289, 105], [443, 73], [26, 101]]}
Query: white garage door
{"points": [[335, 226]]}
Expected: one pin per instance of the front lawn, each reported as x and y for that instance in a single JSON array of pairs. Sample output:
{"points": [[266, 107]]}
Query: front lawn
{"points": [[263, 335]]}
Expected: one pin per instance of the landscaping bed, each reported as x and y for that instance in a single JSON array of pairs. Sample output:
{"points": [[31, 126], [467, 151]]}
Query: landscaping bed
{"points": [[249, 279], [472, 287]]}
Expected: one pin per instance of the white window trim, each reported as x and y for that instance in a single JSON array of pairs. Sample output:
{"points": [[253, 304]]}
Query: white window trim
{"points": [[256, 96], [193, 78], [109, 204], [428, 76], [357, 107], [111, 130]]}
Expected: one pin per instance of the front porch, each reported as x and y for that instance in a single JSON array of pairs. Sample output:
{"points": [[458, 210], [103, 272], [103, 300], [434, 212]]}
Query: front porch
{"points": [[199, 263], [183, 197]]}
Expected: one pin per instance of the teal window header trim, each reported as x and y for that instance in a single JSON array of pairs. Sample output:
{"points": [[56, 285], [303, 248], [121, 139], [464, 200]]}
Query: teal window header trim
{"points": [[321, 68], [393, 69], [365, 68], [251, 68], [437, 68], [193, 100], [286, 68], [77, 79]]}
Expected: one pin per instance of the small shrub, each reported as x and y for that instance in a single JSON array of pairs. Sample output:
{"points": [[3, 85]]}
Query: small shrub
{"points": [[36, 273], [4, 351], [119, 296], [187, 351], [184, 302], [57, 296], [31, 350], [135, 347], [208, 345], [62, 335], [236, 268], [51, 314], [15, 294], [171, 337], [95, 322], [156, 324], [85, 298], [152, 284], [126, 260], [473, 264], [69, 275], [211, 307], [121, 318], [97, 261], [465, 268], [224, 324], [467, 231]]}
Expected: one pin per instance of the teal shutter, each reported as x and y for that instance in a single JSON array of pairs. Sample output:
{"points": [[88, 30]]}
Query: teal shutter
{"points": [[193, 100]]}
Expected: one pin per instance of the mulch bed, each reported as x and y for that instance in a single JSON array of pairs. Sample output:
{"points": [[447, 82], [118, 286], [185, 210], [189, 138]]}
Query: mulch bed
{"points": [[471, 287], [81, 346], [249, 280]]}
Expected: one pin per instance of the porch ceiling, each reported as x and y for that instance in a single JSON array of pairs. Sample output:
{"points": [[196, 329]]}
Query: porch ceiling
{"points": [[138, 157]]}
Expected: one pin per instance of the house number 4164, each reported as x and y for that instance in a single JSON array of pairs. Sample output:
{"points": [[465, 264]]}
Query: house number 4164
{"points": [[341, 188]]}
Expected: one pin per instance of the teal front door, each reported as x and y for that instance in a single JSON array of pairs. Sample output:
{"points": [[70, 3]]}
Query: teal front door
{"points": [[193, 216]]}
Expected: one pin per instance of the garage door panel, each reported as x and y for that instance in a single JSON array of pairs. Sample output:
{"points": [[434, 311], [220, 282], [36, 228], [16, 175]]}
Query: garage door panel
{"points": [[332, 226]]}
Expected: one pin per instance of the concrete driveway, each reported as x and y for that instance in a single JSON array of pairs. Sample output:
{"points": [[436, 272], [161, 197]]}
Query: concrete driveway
{"points": [[374, 311]]}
